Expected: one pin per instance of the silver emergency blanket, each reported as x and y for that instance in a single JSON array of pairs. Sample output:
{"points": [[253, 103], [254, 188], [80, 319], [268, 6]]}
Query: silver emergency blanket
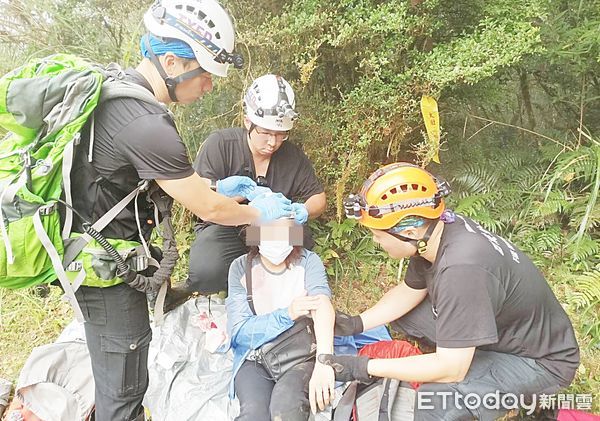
{"points": [[5, 388], [189, 365], [56, 382]]}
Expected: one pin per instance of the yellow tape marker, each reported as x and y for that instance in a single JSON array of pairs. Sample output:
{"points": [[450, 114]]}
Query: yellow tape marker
{"points": [[429, 109]]}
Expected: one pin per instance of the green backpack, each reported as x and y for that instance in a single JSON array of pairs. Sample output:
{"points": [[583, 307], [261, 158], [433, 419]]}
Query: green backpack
{"points": [[44, 105]]}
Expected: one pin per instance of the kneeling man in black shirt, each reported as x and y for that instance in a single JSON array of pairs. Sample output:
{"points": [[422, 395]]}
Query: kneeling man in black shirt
{"points": [[501, 336], [261, 151]]}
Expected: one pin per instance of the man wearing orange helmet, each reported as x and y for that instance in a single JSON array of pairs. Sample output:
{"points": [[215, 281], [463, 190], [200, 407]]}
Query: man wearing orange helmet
{"points": [[501, 335]]}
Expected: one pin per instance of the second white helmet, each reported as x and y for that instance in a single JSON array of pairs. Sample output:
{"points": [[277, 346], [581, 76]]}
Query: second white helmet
{"points": [[270, 103], [202, 24]]}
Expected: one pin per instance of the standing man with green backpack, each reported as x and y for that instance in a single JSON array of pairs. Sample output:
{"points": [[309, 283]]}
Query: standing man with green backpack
{"points": [[134, 141], [127, 143]]}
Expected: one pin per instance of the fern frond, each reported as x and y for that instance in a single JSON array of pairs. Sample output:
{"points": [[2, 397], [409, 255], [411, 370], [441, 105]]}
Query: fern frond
{"points": [[549, 240], [587, 289], [555, 202], [585, 250], [475, 179]]}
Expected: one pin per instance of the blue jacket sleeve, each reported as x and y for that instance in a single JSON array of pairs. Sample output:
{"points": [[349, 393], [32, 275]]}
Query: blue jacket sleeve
{"points": [[245, 328]]}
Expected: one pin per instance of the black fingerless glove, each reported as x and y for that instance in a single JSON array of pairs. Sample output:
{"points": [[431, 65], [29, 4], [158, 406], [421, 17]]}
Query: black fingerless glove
{"points": [[347, 367], [347, 325]]}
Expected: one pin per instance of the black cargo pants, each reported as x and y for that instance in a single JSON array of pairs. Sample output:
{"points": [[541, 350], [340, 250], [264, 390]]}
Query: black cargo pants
{"points": [[118, 334]]}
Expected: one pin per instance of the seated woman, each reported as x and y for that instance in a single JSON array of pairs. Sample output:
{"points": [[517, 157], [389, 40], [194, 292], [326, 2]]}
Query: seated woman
{"points": [[288, 282]]}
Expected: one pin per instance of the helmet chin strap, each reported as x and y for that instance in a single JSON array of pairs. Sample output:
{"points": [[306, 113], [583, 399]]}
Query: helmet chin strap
{"points": [[421, 244], [170, 82]]}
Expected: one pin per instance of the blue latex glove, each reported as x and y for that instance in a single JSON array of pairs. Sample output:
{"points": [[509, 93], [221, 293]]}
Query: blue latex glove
{"points": [[236, 185], [258, 191], [272, 206], [300, 213]]}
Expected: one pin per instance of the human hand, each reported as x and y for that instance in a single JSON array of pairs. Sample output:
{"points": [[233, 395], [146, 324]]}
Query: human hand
{"points": [[301, 306], [347, 367], [321, 387], [300, 212], [258, 191], [236, 185], [272, 206], [347, 325]]}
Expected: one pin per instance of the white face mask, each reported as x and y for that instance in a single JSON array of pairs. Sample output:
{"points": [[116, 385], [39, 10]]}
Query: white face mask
{"points": [[275, 251]]}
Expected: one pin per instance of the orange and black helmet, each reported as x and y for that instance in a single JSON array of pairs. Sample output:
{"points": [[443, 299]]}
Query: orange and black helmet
{"points": [[395, 192]]}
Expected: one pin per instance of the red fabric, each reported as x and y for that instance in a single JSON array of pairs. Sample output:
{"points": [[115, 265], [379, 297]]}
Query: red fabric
{"points": [[574, 415], [391, 349]]}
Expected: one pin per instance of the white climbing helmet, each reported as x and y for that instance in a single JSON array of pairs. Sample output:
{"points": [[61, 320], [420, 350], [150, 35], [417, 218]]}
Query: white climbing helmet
{"points": [[270, 103], [202, 24]]}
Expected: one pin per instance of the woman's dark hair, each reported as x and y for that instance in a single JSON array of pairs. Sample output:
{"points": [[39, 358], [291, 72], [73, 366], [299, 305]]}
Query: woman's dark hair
{"points": [[293, 257]]}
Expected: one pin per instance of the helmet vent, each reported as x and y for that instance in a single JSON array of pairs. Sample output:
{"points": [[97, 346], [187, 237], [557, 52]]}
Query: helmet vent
{"points": [[404, 187], [384, 197], [394, 190], [201, 15], [211, 24], [178, 6], [218, 35], [423, 188], [415, 186], [190, 9]]}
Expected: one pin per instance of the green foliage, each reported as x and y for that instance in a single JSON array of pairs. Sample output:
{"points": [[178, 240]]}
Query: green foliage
{"points": [[104, 30], [587, 290], [363, 65], [27, 321], [347, 239], [518, 92], [578, 171], [359, 271], [585, 297]]}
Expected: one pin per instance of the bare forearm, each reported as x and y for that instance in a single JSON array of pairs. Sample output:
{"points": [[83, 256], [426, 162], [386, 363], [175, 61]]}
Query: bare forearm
{"points": [[426, 368], [194, 194], [324, 318], [315, 205], [230, 212], [393, 305]]}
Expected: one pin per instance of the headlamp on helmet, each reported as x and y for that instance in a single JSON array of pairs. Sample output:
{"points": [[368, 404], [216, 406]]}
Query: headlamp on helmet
{"points": [[395, 192], [270, 103], [203, 24]]}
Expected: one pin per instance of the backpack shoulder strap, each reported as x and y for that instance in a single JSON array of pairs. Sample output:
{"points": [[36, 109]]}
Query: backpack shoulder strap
{"points": [[249, 285], [116, 88], [343, 410], [384, 405]]}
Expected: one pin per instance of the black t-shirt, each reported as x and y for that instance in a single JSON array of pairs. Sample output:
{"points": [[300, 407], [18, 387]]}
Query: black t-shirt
{"points": [[133, 141], [487, 293], [226, 152]]}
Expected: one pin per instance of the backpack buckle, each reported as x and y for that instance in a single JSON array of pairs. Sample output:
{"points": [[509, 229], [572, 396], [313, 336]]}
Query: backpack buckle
{"points": [[43, 167], [75, 266], [139, 263], [144, 185], [47, 210]]}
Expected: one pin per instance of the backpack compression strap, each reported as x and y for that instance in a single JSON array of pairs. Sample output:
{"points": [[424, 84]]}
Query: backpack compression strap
{"points": [[57, 264]]}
